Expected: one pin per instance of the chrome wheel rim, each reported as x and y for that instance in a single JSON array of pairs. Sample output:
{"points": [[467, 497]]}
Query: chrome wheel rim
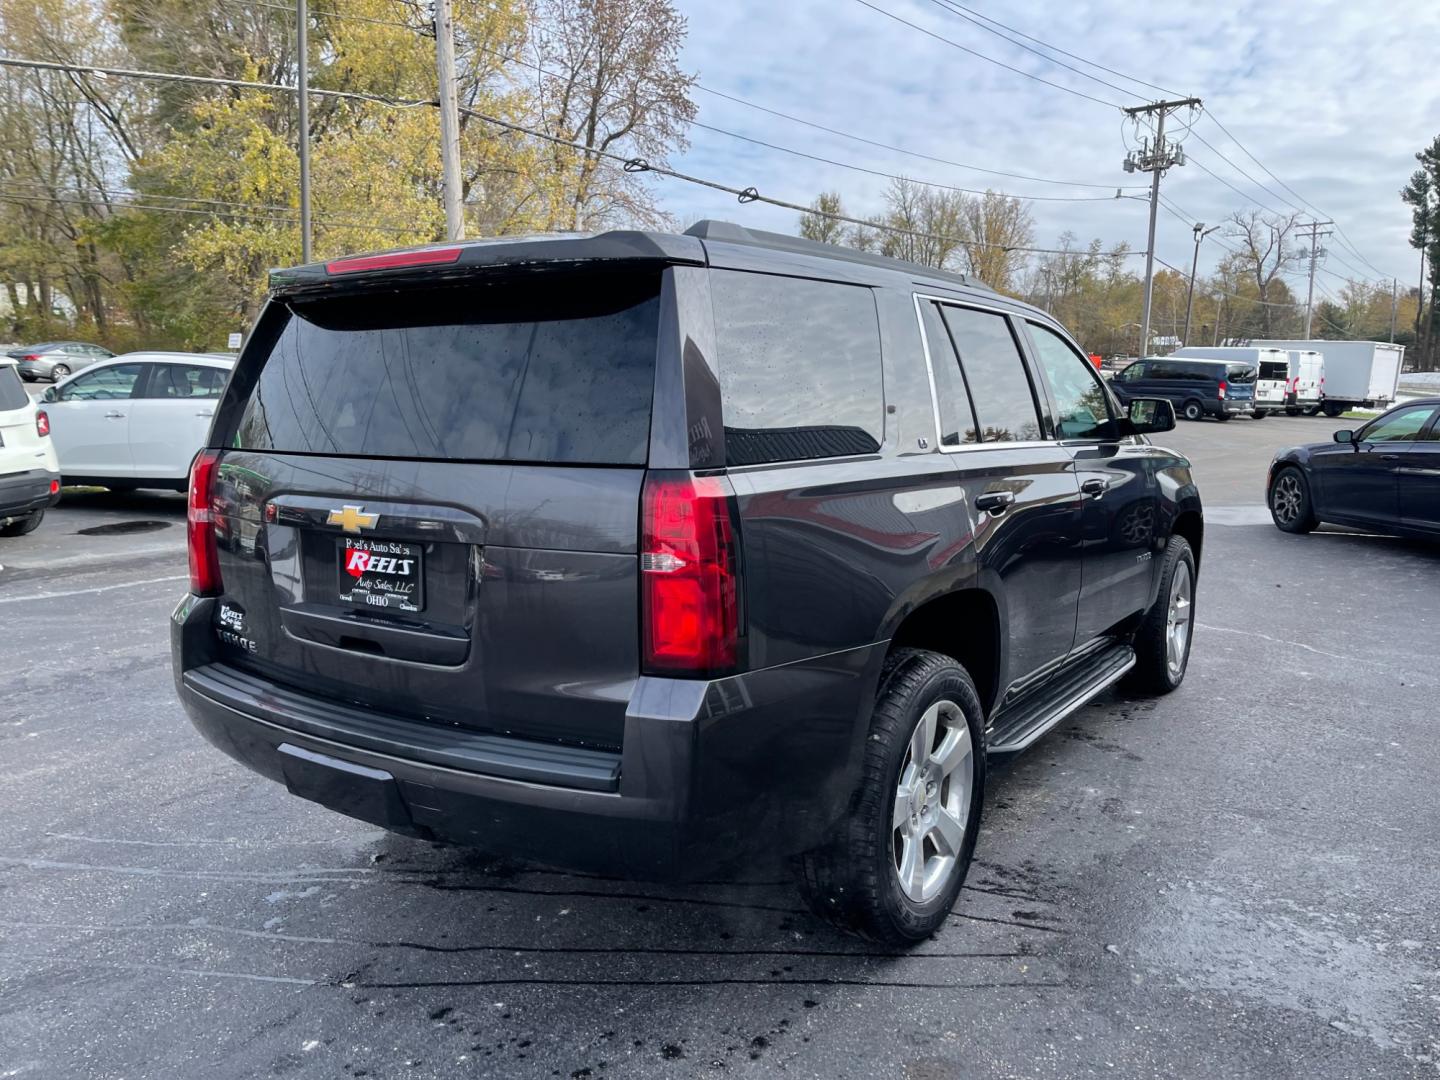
{"points": [[1177, 620], [1285, 499], [932, 802]]}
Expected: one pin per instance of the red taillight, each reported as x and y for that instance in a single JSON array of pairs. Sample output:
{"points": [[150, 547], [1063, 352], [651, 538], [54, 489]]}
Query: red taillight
{"points": [[54, 486], [688, 589], [204, 553], [1222, 388], [394, 260], [32, 357], [42, 423]]}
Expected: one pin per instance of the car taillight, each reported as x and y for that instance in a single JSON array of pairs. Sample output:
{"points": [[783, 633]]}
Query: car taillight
{"points": [[32, 357], [200, 526], [42, 423], [1222, 388], [688, 591]]}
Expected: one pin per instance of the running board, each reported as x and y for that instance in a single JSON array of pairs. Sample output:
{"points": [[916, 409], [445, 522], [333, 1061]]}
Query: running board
{"points": [[1018, 725]]}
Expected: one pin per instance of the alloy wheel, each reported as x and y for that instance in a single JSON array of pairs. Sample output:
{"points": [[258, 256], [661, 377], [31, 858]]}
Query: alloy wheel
{"points": [[932, 801], [1285, 499], [1177, 620]]}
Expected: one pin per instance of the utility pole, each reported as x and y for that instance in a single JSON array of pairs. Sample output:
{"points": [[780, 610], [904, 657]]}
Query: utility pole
{"points": [[1154, 158], [1200, 233], [1315, 254], [1046, 271], [302, 51], [449, 120], [1394, 305]]}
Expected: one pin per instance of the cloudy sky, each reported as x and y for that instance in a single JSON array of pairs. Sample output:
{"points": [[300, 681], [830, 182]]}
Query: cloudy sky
{"points": [[1333, 97]]}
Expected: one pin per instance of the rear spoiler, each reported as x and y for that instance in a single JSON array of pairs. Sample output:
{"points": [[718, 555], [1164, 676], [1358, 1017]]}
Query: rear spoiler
{"points": [[448, 262]]}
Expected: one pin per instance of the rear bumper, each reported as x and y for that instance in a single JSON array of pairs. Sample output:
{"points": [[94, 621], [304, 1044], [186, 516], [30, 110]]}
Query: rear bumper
{"points": [[23, 493], [712, 776], [1235, 408], [32, 370]]}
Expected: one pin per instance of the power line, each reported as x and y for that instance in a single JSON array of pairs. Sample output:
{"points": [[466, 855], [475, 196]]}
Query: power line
{"points": [[988, 59], [1234, 296], [628, 164]]}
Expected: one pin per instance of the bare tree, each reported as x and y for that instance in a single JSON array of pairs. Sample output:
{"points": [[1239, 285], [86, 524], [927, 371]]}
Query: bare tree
{"points": [[924, 224], [822, 221], [1267, 251], [995, 225], [608, 78]]}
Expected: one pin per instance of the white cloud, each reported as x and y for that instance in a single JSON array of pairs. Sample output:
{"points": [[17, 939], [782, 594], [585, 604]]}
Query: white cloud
{"points": [[1335, 97]]}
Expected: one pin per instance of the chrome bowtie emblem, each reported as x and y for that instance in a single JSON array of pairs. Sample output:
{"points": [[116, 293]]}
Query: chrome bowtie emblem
{"points": [[352, 519]]}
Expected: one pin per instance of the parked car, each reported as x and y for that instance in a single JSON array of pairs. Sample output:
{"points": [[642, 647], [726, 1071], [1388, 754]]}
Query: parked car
{"points": [[1272, 371], [54, 360], [1358, 374], [665, 555], [137, 420], [1307, 382], [1384, 476], [29, 474], [1197, 388]]}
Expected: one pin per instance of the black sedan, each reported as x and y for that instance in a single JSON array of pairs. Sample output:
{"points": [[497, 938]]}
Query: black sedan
{"points": [[1383, 477]]}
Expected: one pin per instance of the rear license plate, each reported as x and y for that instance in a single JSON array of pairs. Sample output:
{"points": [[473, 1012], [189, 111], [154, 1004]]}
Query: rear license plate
{"points": [[383, 575]]}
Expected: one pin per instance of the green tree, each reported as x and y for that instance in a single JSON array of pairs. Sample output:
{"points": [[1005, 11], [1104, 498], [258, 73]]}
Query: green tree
{"points": [[821, 223], [1422, 195]]}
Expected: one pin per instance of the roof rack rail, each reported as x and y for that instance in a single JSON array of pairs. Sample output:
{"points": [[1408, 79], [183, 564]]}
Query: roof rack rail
{"points": [[731, 233]]}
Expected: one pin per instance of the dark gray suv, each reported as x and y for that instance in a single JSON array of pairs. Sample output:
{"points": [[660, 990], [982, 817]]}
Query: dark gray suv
{"points": [[673, 555]]}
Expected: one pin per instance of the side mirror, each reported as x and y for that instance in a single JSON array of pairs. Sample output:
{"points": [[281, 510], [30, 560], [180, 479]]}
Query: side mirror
{"points": [[49, 397], [1344, 435], [1150, 415]]}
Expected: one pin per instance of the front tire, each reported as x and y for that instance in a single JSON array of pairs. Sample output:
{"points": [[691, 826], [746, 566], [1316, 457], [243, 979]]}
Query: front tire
{"points": [[1259, 414], [1162, 644], [1291, 507], [894, 866], [23, 526], [58, 372]]}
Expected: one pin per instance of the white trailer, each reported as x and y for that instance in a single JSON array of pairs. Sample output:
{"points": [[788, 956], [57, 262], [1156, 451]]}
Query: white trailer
{"points": [[1272, 370], [1358, 374]]}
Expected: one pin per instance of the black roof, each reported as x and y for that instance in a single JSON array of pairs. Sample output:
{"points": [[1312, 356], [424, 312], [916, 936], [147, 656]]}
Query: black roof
{"points": [[614, 248]]}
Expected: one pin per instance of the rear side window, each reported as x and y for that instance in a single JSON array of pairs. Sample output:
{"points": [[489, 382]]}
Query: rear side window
{"points": [[957, 418], [559, 371], [1274, 369], [999, 386], [185, 381], [12, 390], [800, 373], [1240, 373]]}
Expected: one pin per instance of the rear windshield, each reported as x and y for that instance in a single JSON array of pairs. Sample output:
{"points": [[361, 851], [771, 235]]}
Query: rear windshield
{"points": [[1240, 373], [12, 390], [1274, 369], [560, 372]]}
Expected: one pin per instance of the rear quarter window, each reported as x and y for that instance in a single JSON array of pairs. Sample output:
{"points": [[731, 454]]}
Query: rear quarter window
{"points": [[557, 371], [800, 373], [12, 390]]}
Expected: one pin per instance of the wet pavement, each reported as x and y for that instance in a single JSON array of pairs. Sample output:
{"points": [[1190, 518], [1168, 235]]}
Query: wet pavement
{"points": [[1239, 880]]}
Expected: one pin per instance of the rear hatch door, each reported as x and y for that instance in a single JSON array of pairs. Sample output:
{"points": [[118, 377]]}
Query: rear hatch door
{"points": [[22, 447], [428, 500], [1240, 383]]}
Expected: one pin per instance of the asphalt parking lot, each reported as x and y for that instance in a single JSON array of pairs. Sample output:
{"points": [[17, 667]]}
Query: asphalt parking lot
{"points": [[1239, 880]]}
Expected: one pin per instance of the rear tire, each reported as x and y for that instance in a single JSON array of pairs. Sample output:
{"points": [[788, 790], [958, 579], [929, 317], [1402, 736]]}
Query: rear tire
{"points": [[1259, 414], [1292, 411], [1192, 410], [1162, 644], [920, 820], [1291, 507], [1333, 410], [1222, 415], [27, 524]]}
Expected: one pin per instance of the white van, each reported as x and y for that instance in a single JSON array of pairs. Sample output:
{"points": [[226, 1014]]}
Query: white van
{"points": [[1307, 382], [1272, 371], [29, 472]]}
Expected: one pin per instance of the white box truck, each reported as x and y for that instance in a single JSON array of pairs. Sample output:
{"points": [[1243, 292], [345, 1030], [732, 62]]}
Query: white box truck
{"points": [[1272, 370], [1358, 374]]}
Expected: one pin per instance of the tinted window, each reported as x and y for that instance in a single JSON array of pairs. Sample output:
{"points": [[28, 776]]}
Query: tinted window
{"points": [[12, 390], [995, 373], [1241, 373], [1274, 369], [185, 381], [556, 372], [799, 368], [107, 384], [1402, 426], [957, 417], [1135, 372], [1081, 408]]}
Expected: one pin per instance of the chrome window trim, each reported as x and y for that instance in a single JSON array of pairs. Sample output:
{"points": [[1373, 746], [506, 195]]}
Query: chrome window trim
{"points": [[920, 298]]}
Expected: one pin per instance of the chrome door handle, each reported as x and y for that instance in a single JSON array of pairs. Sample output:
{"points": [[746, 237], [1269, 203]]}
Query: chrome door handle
{"points": [[1095, 487], [207, 415], [114, 416], [995, 502]]}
